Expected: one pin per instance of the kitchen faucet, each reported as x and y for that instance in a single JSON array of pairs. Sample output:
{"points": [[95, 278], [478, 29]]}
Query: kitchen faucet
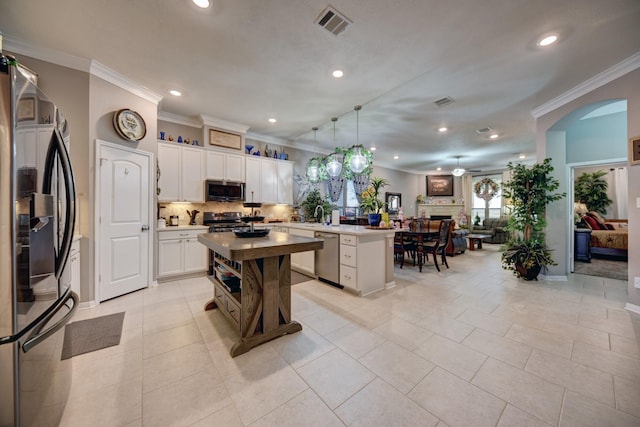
{"points": [[315, 214]]}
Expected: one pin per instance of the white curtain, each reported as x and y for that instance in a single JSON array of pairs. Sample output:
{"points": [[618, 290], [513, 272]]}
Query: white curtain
{"points": [[506, 177], [620, 183], [467, 195]]}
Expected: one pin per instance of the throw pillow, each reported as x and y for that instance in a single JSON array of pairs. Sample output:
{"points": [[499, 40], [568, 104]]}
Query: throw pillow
{"points": [[597, 217], [593, 224], [609, 226]]}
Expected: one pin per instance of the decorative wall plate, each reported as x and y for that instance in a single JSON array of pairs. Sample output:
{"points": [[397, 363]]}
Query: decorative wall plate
{"points": [[129, 125]]}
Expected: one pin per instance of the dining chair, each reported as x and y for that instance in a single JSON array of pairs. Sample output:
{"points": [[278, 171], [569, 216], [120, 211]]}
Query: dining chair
{"points": [[404, 244], [438, 246]]}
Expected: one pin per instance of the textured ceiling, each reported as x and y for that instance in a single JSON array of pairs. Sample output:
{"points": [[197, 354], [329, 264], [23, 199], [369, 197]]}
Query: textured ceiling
{"points": [[245, 61]]}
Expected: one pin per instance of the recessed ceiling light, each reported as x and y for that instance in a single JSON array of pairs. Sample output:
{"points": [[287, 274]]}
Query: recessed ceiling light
{"points": [[337, 73], [522, 156], [396, 157], [372, 148], [493, 136], [201, 3], [175, 92], [272, 120], [438, 169], [443, 129], [548, 40]]}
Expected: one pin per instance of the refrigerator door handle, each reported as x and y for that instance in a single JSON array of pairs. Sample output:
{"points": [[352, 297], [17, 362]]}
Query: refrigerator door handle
{"points": [[37, 336], [56, 145]]}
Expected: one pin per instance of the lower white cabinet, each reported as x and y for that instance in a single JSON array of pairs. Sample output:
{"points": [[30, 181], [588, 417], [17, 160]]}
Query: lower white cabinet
{"points": [[179, 252], [303, 262], [357, 271]]}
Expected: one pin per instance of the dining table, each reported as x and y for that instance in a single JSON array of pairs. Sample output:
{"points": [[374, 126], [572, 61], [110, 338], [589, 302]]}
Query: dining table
{"points": [[414, 241]]}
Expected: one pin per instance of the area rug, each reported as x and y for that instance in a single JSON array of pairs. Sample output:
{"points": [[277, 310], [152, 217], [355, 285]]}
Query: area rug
{"points": [[299, 277], [90, 335], [602, 267]]}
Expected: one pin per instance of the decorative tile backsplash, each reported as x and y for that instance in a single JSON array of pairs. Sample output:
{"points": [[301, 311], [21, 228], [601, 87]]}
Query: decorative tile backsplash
{"points": [[272, 212]]}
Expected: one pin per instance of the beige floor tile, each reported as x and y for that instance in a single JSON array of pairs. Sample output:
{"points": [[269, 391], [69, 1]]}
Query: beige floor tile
{"points": [[117, 404], [528, 392], [403, 333], [583, 379], [500, 348], [369, 315], [325, 320], [613, 326], [161, 293], [379, 404], [335, 377], [444, 394], [609, 361], [355, 340], [446, 326], [485, 321], [582, 411], [229, 366], [227, 417], [301, 305], [455, 358], [397, 366], [170, 339], [165, 307], [627, 395], [626, 346], [302, 347], [306, 409], [184, 402], [174, 365], [545, 341], [514, 417], [577, 333], [120, 368], [169, 320], [263, 387]]}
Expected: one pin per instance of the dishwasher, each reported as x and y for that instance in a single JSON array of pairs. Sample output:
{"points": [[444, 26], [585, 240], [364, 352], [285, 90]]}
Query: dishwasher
{"points": [[327, 259]]}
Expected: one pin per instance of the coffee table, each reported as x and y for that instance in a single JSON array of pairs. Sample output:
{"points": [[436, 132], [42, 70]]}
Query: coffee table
{"points": [[476, 239]]}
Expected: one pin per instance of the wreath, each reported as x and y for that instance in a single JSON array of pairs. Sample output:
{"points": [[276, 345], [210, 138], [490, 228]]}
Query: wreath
{"points": [[486, 189]]}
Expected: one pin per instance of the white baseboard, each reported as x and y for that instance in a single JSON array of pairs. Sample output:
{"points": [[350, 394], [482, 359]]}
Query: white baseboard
{"points": [[632, 307], [87, 304], [391, 284]]}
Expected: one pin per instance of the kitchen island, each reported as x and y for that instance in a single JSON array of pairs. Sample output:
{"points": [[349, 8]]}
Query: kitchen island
{"points": [[252, 283], [364, 260]]}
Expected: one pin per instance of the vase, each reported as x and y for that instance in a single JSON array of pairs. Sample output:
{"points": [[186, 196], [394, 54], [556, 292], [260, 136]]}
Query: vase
{"points": [[374, 219], [528, 274], [248, 148]]}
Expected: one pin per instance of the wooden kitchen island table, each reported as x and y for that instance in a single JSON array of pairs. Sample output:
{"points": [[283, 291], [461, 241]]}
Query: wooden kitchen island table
{"points": [[252, 283]]}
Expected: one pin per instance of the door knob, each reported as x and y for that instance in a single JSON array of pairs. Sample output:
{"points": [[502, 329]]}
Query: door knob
{"points": [[145, 227]]}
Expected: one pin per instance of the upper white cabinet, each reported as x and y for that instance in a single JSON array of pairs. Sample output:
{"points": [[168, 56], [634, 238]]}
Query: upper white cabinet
{"points": [[225, 166], [181, 173], [270, 180]]}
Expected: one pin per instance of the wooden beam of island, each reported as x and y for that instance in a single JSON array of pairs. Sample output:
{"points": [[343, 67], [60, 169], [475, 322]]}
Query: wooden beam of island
{"points": [[261, 309]]}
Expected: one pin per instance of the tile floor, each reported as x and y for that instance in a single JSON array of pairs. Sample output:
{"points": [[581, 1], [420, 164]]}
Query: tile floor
{"points": [[470, 346]]}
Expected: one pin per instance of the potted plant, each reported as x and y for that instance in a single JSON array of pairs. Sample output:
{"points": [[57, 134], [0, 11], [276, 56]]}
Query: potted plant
{"points": [[309, 205], [530, 190], [591, 190], [371, 201]]}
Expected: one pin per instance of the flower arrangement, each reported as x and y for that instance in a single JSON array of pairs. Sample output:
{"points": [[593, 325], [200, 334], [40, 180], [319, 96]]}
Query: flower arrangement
{"points": [[371, 201], [486, 189]]}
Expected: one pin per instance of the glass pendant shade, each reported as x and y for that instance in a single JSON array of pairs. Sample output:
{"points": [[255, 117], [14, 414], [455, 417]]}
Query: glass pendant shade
{"points": [[458, 172], [334, 166], [313, 170], [358, 161]]}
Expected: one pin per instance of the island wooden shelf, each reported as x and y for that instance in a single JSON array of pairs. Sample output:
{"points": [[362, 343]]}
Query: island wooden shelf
{"points": [[261, 310]]}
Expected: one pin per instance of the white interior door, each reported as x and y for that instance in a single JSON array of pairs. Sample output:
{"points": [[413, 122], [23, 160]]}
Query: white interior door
{"points": [[124, 187]]}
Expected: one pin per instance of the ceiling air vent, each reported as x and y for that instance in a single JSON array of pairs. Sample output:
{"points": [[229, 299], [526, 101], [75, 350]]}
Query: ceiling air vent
{"points": [[333, 21], [484, 130], [443, 101]]}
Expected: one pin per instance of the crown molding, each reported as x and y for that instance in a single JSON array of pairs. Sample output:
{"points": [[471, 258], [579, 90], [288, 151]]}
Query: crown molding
{"points": [[601, 79], [268, 139], [105, 73], [223, 124], [47, 55], [178, 119]]}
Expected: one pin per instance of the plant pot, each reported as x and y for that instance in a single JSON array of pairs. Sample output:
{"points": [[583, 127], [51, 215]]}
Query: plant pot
{"points": [[374, 219], [528, 274]]}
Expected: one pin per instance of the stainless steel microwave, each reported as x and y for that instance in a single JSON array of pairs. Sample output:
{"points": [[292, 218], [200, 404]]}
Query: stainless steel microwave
{"points": [[224, 191]]}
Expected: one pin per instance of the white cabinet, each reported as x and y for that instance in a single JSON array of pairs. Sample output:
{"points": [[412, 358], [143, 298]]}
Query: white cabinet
{"points": [[179, 252], [225, 166], [303, 262], [181, 173], [270, 180], [357, 271]]}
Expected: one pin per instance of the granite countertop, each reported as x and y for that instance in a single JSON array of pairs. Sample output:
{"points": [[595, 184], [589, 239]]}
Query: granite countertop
{"points": [[358, 230], [183, 227]]}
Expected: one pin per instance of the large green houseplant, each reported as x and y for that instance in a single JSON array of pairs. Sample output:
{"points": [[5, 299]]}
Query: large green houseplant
{"points": [[530, 190], [591, 189], [309, 205]]}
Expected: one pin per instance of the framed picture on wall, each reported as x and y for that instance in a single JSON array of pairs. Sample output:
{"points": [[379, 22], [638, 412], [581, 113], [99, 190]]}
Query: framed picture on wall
{"points": [[225, 139], [439, 185], [634, 150]]}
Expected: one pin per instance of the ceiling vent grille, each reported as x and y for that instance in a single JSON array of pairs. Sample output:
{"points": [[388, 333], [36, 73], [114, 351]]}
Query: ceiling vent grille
{"points": [[484, 130], [443, 101], [333, 21]]}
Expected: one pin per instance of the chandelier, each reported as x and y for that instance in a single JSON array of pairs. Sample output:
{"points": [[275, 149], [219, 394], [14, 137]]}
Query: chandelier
{"points": [[314, 165], [333, 165], [458, 171], [358, 162]]}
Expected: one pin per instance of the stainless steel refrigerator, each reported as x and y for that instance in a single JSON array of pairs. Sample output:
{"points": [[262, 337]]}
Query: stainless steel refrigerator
{"points": [[37, 218]]}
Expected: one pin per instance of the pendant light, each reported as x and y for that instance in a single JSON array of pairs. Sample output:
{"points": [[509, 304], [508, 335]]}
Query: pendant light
{"points": [[358, 161], [313, 167], [334, 166], [458, 171]]}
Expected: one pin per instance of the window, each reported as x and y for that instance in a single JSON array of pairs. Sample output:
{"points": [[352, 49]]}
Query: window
{"points": [[479, 207], [351, 207]]}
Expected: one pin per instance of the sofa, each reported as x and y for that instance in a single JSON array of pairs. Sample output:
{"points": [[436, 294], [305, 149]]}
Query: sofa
{"points": [[494, 228]]}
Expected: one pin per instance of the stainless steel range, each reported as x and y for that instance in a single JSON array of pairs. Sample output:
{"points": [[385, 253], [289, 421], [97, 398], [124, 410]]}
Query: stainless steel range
{"points": [[224, 221]]}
